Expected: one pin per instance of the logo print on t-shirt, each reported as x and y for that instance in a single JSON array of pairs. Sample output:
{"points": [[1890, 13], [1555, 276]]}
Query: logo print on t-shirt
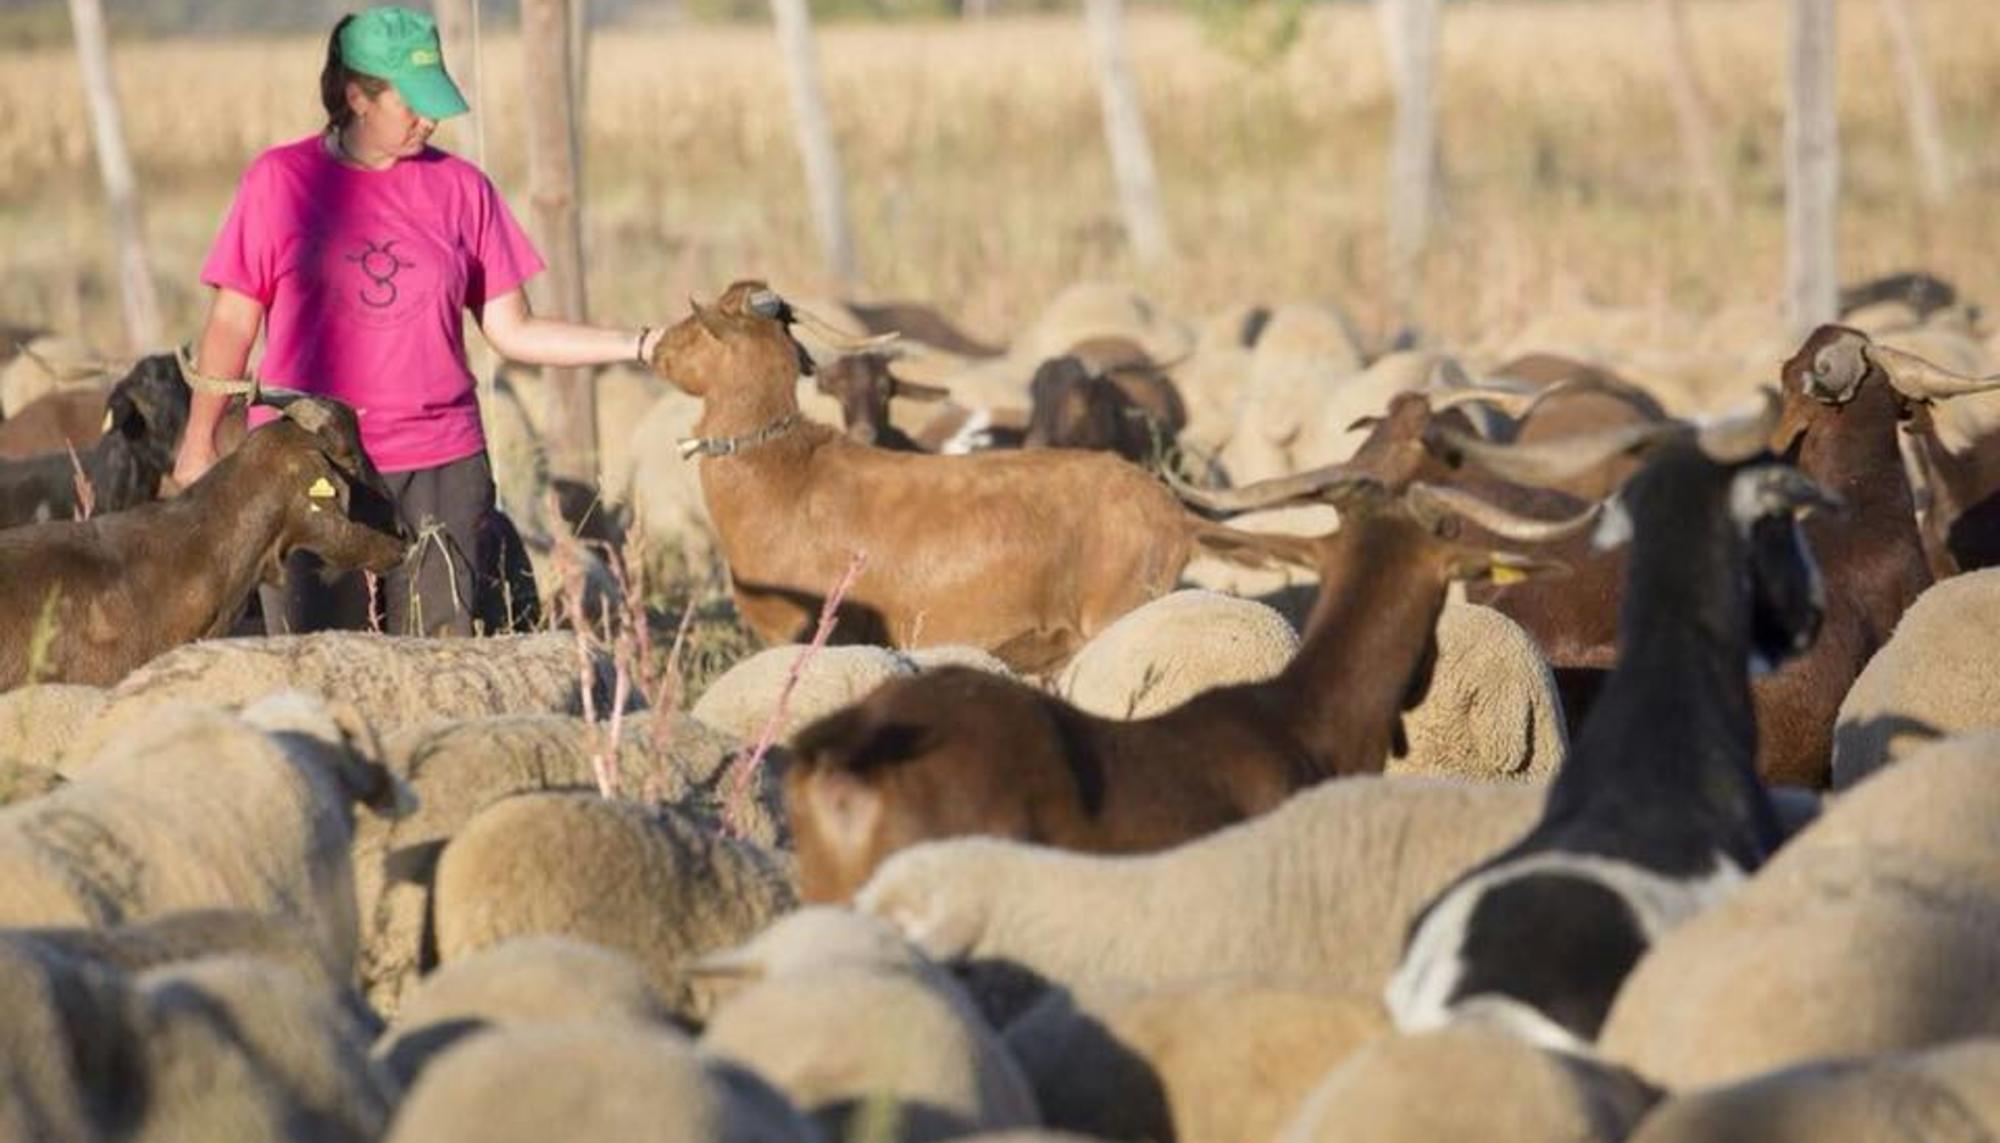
{"points": [[381, 264]]}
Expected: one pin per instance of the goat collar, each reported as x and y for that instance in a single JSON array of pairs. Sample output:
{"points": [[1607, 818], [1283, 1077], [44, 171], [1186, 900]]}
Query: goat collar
{"points": [[691, 447]]}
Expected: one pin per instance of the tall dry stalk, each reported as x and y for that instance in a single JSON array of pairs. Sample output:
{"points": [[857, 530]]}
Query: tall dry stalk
{"points": [[1125, 133], [1919, 101], [143, 327], [1812, 170], [1694, 112], [743, 771], [554, 197], [1410, 40], [817, 151]]}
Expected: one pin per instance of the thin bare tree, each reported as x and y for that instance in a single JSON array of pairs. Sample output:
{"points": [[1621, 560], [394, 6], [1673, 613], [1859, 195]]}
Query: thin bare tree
{"points": [[1812, 169], [1410, 31], [143, 327], [1694, 113], [555, 204], [1919, 100], [459, 29], [1125, 133], [816, 147]]}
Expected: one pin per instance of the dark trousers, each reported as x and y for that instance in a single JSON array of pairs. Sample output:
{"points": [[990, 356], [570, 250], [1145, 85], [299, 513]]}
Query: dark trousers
{"points": [[441, 589]]}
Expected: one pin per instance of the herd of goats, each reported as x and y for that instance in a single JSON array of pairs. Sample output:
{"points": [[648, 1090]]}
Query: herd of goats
{"points": [[1705, 593]]}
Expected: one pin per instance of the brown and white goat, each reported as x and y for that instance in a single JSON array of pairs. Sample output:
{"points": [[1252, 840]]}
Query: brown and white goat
{"points": [[1026, 555], [960, 751], [865, 384], [87, 601]]}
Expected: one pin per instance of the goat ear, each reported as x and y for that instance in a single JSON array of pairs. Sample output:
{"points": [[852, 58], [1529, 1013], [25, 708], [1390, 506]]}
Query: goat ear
{"points": [[1360, 423], [326, 487], [709, 320], [846, 812]]}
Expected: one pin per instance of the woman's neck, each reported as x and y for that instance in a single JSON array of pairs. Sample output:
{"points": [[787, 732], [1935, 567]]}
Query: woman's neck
{"points": [[341, 145]]}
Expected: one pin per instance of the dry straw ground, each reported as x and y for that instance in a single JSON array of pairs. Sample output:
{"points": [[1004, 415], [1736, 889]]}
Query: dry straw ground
{"points": [[977, 178]]}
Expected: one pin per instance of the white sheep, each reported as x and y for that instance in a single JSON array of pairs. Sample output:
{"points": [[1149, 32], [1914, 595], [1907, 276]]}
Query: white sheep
{"points": [[745, 697], [528, 980], [590, 1081], [820, 974], [220, 1048], [204, 809], [459, 768], [49, 363], [1297, 412], [189, 935], [952, 655], [391, 681], [1491, 709], [1209, 1061], [1935, 676], [1160, 654], [653, 883], [1876, 928], [37, 723], [1948, 1093], [664, 491], [1472, 1085], [1322, 888]]}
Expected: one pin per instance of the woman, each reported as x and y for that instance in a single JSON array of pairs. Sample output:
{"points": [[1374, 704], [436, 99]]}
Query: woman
{"points": [[356, 252]]}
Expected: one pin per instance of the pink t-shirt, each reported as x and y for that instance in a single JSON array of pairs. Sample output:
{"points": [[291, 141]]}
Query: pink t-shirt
{"points": [[363, 276]]}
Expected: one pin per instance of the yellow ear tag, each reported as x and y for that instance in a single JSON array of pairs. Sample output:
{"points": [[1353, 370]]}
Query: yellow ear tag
{"points": [[1504, 575], [106, 426], [322, 489]]}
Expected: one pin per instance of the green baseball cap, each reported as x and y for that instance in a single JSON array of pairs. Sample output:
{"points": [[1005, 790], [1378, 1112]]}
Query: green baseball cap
{"points": [[401, 46]]}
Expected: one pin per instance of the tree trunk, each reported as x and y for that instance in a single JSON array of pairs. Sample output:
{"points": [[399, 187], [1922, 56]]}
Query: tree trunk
{"points": [[143, 328], [816, 146], [553, 183], [1694, 114], [460, 33], [1812, 169], [1919, 101], [1125, 133], [1410, 39]]}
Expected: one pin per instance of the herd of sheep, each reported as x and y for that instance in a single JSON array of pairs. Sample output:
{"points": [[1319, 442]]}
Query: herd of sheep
{"points": [[1227, 732]]}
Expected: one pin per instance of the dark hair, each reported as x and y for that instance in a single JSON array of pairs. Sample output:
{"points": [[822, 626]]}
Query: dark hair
{"points": [[334, 78]]}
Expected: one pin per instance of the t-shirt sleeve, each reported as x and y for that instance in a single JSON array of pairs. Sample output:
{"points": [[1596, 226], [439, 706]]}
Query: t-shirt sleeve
{"points": [[243, 256], [502, 254]]}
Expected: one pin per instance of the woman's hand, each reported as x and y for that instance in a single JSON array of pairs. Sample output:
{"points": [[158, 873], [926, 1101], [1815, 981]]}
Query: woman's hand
{"points": [[222, 351], [518, 334]]}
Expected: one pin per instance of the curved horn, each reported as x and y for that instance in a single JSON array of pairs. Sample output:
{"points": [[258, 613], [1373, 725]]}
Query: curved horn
{"points": [[1625, 391], [1495, 519], [1550, 462], [1736, 437], [66, 372], [1921, 380], [1333, 482], [1511, 402], [836, 337]]}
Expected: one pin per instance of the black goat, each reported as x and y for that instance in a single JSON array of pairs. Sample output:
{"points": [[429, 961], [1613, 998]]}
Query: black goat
{"points": [[145, 415], [1658, 811]]}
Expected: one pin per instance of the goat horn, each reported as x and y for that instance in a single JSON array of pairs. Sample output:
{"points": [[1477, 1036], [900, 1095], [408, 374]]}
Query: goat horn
{"points": [[1597, 383], [1736, 437], [1495, 519], [1336, 481], [1549, 462], [1921, 380], [838, 338], [69, 371], [1508, 401]]}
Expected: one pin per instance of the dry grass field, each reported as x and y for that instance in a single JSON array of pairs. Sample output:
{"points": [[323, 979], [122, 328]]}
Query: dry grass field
{"points": [[977, 179]]}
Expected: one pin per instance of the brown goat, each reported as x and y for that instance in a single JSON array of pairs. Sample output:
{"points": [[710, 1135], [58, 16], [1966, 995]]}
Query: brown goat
{"points": [[1023, 554], [87, 601], [865, 384], [960, 751]]}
